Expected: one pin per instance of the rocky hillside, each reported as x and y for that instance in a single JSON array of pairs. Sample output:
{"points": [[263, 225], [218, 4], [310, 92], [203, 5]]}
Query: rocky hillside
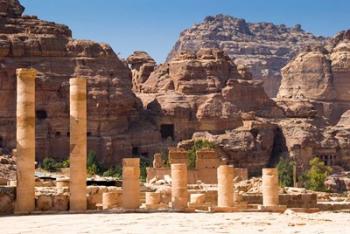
{"points": [[321, 75], [113, 109], [264, 47]]}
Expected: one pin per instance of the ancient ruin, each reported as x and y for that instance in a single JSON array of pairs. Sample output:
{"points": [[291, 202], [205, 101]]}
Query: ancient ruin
{"points": [[78, 144], [25, 202], [216, 128]]}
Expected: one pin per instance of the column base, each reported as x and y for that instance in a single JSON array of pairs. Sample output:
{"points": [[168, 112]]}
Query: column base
{"points": [[155, 207], [275, 209], [223, 209]]}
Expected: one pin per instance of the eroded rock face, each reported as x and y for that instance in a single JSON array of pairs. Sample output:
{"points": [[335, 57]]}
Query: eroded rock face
{"points": [[264, 47], [10, 8], [48, 47], [249, 146], [320, 76], [309, 76], [142, 65], [205, 92]]}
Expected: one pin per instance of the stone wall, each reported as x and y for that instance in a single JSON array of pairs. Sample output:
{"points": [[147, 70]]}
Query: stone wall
{"points": [[7, 200], [290, 200]]}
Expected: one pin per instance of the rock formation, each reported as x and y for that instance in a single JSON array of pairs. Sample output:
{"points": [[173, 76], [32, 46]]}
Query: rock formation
{"points": [[142, 65], [137, 107], [26, 41], [264, 47], [314, 93], [206, 93]]}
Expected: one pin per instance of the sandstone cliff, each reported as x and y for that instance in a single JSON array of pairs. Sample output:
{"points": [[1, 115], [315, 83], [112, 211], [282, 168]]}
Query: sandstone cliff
{"points": [[320, 75], [113, 109], [205, 93], [264, 47]]}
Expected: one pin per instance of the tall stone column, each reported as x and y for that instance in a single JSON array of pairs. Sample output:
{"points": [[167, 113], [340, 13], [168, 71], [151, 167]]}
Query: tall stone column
{"points": [[25, 160], [131, 183], [270, 187], [225, 186], [78, 144], [179, 194]]}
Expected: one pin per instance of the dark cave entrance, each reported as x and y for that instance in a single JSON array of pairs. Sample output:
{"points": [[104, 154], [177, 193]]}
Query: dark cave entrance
{"points": [[279, 148], [167, 130], [135, 151], [41, 114], [1, 142]]}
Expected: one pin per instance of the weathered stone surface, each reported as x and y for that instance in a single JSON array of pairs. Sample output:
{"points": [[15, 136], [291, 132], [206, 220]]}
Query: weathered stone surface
{"points": [[320, 76], [264, 47], [309, 76], [113, 109], [44, 202], [10, 8], [203, 92], [142, 65], [7, 200], [250, 146]]}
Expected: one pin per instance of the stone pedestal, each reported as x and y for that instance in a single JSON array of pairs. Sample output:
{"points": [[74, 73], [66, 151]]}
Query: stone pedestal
{"points": [[25, 201], [197, 199], [78, 144], [157, 161], [179, 194], [131, 184], [225, 186], [270, 191], [111, 200]]}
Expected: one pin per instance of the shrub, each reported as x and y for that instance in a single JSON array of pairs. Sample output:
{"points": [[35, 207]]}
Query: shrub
{"points": [[285, 172], [65, 164], [114, 172], [198, 145], [144, 163], [50, 164], [315, 177], [93, 167]]}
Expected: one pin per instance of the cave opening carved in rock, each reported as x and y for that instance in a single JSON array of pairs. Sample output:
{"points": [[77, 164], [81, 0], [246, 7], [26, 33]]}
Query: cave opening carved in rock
{"points": [[167, 130]]}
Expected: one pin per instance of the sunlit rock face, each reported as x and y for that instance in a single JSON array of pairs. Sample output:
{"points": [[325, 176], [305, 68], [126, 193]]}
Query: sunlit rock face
{"points": [[263, 47], [26, 41], [320, 75]]}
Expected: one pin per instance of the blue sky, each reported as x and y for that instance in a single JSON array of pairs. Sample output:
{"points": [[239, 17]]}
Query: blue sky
{"points": [[155, 25]]}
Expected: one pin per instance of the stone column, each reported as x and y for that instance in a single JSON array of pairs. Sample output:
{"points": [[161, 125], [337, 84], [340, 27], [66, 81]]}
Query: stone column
{"points": [[131, 184], [78, 144], [179, 194], [25, 201], [225, 186], [270, 187]]}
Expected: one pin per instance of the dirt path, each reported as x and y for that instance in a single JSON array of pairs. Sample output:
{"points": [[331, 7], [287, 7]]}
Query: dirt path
{"points": [[179, 223]]}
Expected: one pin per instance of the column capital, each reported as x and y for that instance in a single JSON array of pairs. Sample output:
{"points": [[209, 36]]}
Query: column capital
{"points": [[26, 73]]}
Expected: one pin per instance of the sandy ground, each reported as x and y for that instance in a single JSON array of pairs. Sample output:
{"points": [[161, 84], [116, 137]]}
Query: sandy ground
{"points": [[179, 223]]}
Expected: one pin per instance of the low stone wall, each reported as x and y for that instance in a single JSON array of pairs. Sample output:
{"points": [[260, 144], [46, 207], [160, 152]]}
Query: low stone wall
{"points": [[331, 206], [7, 200], [94, 195], [308, 200], [207, 176]]}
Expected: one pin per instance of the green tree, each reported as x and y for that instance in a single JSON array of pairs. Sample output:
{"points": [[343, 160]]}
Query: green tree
{"points": [[285, 171], [198, 145], [315, 177]]}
